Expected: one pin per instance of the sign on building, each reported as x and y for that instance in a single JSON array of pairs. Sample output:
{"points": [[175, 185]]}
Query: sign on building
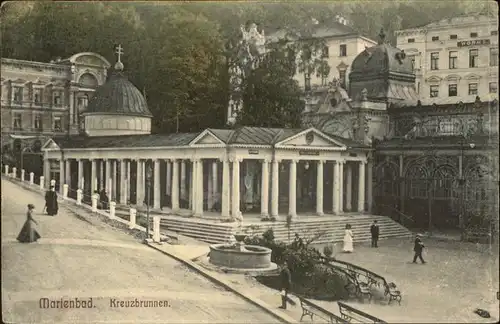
{"points": [[474, 42]]}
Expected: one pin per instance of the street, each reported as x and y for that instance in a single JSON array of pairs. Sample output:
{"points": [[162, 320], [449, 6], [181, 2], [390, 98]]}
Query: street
{"points": [[77, 258]]}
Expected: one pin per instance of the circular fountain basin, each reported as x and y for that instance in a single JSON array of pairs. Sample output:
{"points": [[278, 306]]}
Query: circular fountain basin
{"points": [[248, 257]]}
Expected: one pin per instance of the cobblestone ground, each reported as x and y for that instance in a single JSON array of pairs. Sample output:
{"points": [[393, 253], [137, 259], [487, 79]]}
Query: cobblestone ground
{"points": [[78, 258], [457, 279]]}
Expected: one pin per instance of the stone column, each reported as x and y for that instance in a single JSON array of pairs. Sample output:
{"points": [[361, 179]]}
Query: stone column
{"points": [[113, 176], [192, 186], [101, 174], [175, 185], [319, 188], [235, 203], [183, 179], [210, 193], [341, 186], [67, 173], [199, 188], [361, 187], [128, 180], [369, 185], [107, 176], [139, 184], [225, 188], [348, 200], [292, 189], [264, 192], [61, 175], [80, 174], [168, 181], [215, 182], [336, 187], [157, 187], [275, 188], [123, 185], [93, 174]]}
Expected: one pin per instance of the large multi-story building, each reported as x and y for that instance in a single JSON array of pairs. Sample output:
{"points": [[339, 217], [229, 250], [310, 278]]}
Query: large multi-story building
{"points": [[44, 99], [454, 59], [341, 46]]}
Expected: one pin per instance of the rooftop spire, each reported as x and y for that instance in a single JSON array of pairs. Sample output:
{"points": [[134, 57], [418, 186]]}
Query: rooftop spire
{"points": [[381, 36], [119, 51]]}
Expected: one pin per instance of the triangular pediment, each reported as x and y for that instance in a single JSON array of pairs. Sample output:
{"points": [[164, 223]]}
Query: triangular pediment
{"points": [[310, 137], [434, 79], [50, 145], [206, 138]]}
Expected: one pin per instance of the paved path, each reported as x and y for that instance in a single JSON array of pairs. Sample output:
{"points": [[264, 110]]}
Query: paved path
{"points": [[79, 258], [457, 279]]}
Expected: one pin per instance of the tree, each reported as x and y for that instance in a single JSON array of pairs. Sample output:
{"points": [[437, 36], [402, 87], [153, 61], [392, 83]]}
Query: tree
{"points": [[271, 97]]}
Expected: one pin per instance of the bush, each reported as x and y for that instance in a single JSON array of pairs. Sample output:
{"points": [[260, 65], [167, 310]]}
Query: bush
{"points": [[310, 276]]}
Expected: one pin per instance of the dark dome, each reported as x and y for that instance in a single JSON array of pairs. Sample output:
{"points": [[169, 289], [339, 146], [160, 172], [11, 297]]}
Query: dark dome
{"points": [[118, 96], [383, 73], [380, 59]]}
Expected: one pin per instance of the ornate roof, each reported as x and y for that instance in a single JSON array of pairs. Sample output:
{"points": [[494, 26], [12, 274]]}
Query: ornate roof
{"points": [[118, 96], [385, 72]]}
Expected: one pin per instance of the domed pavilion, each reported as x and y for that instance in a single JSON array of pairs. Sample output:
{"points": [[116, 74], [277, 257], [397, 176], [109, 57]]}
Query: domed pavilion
{"points": [[117, 108]]}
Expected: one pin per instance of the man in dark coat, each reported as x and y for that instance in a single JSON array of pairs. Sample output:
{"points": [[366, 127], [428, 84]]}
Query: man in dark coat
{"points": [[286, 283], [104, 199], [418, 248], [375, 231], [51, 201]]}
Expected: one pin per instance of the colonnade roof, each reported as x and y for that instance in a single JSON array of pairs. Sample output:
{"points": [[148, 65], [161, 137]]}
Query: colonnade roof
{"points": [[240, 136]]}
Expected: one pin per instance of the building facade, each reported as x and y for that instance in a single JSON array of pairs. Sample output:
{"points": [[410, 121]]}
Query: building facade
{"points": [[341, 46], [44, 99], [455, 60]]}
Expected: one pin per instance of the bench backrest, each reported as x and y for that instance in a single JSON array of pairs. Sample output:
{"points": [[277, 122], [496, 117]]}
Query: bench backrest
{"points": [[326, 313], [356, 314], [349, 267]]}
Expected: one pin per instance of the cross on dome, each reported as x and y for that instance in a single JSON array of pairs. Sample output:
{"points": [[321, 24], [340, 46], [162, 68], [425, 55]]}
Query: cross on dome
{"points": [[119, 52]]}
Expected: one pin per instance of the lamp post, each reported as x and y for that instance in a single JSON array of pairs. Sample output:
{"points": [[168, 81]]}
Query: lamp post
{"points": [[149, 174]]}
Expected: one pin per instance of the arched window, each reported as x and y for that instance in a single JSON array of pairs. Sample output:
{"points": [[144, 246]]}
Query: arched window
{"points": [[88, 80], [444, 178], [386, 180], [416, 181]]}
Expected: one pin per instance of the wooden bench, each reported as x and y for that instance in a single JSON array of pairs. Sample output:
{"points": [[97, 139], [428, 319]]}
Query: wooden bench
{"points": [[311, 309], [360, 288], [353, 274], [349, 314]]}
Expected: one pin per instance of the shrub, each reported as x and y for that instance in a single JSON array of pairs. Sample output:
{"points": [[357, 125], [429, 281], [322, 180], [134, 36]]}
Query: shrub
{"points": [[310, 276]]}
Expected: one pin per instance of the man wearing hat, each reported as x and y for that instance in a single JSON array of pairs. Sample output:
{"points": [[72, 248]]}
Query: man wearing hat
{"points": [[418, 248]]}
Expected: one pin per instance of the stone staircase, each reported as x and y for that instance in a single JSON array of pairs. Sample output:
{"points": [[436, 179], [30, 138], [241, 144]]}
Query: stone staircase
{"points": [[326, 229], [332, 230]]}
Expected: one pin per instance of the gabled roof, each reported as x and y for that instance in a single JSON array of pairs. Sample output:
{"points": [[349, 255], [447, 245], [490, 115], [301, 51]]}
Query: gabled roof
{"points": [[240, 136]]}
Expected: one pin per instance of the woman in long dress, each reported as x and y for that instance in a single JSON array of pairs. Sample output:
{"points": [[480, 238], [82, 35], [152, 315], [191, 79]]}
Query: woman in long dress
{"points": [[51, 201], [28, 233], [348, 237]]}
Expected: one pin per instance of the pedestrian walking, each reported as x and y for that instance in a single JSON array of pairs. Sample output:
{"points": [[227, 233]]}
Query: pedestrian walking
{"points": [[28, 233], [286, 284], [348, 239], [375, 231], [418, 248], [51, 204]]}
